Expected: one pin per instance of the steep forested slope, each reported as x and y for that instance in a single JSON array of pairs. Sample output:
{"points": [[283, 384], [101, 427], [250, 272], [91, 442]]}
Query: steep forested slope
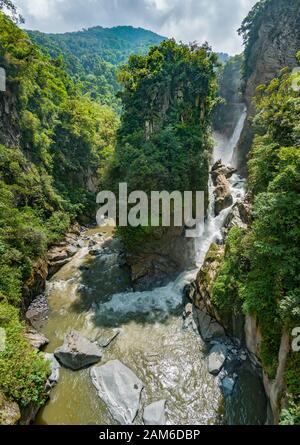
{"points": [[93, 55], [52, 141]]}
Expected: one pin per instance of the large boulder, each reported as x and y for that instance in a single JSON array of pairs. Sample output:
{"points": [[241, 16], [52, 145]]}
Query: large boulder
{"points": [[119, 388], [223, 195], [78, 352], [155, 414], [217, 358]]}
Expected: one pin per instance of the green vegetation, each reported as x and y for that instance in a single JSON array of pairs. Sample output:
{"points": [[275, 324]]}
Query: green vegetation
{"points": [[52, 141], [164, 139], [260, 272], [92, 56], [23, 371]]}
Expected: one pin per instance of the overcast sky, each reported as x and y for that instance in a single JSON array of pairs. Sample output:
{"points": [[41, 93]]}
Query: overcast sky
{"points": [[215, 21]]}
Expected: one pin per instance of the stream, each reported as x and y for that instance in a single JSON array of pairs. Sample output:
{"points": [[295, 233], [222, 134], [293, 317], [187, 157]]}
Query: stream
{"points": [[92, 294]]}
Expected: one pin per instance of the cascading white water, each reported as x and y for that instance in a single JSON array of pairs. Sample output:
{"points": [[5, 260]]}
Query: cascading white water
{"points": [[159, 302]]}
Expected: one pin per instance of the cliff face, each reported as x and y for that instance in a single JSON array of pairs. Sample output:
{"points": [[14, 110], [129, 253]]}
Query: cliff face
{"points": [[9, 131], [274, 46]]}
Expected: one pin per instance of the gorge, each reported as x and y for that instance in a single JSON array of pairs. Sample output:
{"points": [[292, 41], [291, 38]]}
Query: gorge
{"points": [[200, 328]]}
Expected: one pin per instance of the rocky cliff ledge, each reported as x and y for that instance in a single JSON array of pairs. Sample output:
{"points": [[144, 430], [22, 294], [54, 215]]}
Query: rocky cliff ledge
{"points": [[274, 43]]}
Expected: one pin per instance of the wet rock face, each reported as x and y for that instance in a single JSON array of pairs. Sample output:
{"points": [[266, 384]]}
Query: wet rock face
{"points": [[119, 388], [223, 196], [78, 352]]}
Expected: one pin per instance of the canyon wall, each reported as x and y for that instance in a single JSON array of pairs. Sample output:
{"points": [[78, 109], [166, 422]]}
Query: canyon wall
{"points": [[275, 40]]}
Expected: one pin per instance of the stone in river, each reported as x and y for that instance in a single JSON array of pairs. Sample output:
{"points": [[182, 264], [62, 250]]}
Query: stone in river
{"points": [[119, 388], [155, 414], [78, 352], [55, 368], [228, 384], [216, 358]]}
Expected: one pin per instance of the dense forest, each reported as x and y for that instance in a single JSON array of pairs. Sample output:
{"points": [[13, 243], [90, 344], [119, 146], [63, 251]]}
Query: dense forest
{"points": [[125, 104], [53, 136], [92, 56], [164, 139]]}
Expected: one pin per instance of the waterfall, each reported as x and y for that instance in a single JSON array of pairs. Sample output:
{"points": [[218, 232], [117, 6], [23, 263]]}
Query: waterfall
{"points": [[159, 302]]}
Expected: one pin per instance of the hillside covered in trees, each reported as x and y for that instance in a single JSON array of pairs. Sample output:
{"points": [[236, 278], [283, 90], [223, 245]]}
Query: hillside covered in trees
{"points": [[92, 56], [51, 140]]}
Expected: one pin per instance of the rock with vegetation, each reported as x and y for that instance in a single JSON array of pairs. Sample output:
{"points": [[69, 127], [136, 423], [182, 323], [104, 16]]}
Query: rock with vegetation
{"points": [[55, 369], [23, 371], [78, 352], [166, 95], [119, 388], [259, 276]]}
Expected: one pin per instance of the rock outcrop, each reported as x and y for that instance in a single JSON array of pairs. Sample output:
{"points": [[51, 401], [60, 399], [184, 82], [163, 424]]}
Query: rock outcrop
{"points": [[55, 369], [78, 352], [239, 216], [9, 411], [223, 196], [119, 388]]}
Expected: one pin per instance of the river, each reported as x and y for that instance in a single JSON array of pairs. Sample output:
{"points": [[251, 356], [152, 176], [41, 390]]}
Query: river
{"points": [[92, 294]]}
